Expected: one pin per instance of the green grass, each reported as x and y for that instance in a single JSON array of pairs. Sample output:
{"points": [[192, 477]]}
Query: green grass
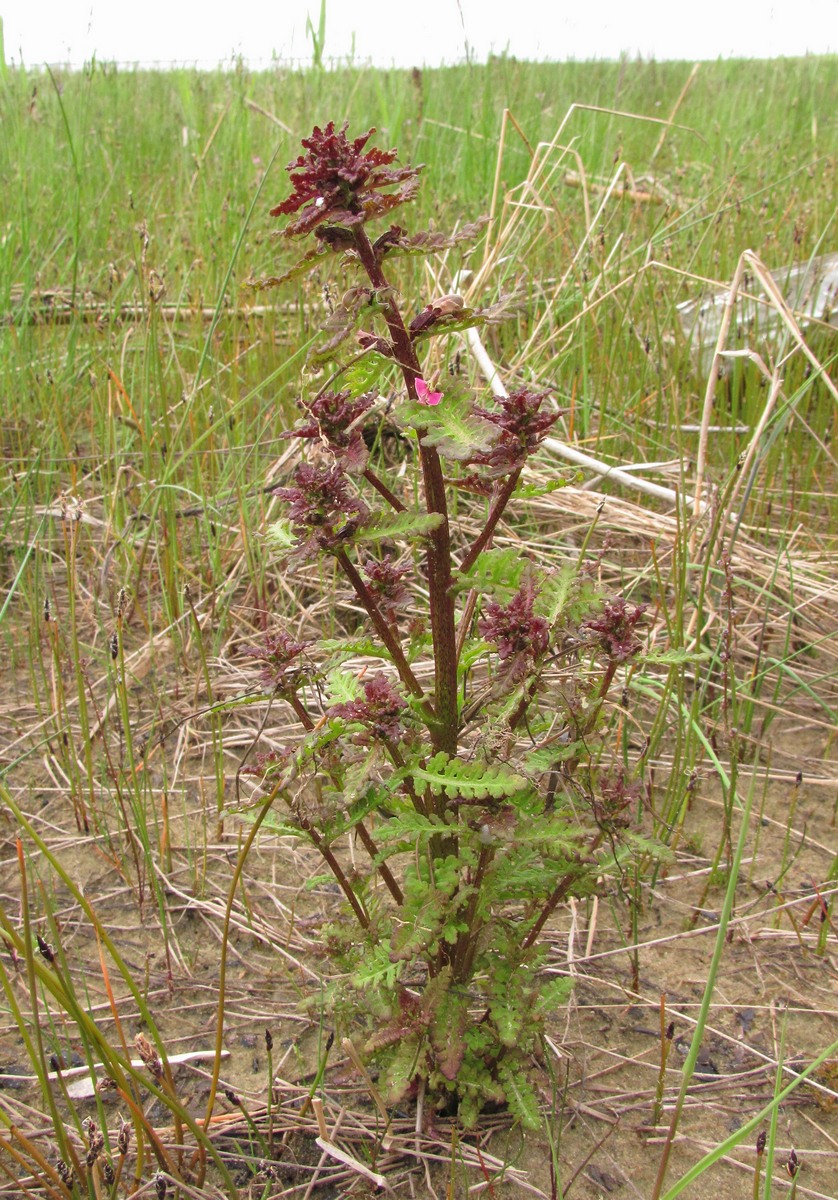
{"points": [[146, 388]]}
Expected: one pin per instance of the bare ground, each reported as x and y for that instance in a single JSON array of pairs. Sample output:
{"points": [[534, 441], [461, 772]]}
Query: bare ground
{"points": [[774, 1009]]}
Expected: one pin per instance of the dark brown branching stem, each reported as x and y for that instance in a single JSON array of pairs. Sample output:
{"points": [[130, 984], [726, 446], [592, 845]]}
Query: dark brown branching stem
{"points": [[566, 882], [366, 840], [466, 946], [559, 892], [500, 502], [607, 680], [383, 870], [440, 583], [335, 867], [384, 631], [466, 618], [407, 783], [383, 490], [297, 705], [604, 688], [526, 700], [444, 732]]}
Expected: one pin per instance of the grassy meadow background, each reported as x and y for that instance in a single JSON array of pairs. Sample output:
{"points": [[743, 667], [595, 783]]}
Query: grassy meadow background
{"points": [[146, 385]]}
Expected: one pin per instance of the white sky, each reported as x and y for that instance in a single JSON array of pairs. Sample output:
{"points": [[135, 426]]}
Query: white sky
{"points": [[412, 32]]}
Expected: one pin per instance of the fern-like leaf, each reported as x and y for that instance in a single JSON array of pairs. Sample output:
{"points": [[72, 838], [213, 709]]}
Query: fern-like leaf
{"points": [[555, 593], [451, 427], [520, 1096], [675, 657], [429, 241], [301, 267], [377, 969], [342, 687], [496, 572], [472, 781], [448, 1030], [387, 524]]}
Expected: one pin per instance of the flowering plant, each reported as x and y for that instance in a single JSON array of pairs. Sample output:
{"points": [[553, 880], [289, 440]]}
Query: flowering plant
{"points": [[464, 752]]}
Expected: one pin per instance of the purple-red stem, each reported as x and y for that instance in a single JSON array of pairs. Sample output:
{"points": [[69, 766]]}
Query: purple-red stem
{"points": [[383, 870], [558, 894], [466, 946], [383, 630], [369, 845], [440, 581], [495, 514], [383, 490], [335, 868], [565, 883]]}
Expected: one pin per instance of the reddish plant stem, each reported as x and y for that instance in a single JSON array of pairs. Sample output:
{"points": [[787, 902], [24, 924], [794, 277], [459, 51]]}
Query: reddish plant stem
{"points": [[336, 869], [407, 786], [383, 490], [466, 945], [566, 882], [444, 732], [558, 894], [607, 680], [382, 868], [466, 618], [384, 631], [604, 687], [297, 705], [367, 842], [496, 512]]}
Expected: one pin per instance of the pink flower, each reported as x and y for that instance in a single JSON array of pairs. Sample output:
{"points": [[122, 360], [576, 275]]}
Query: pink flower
{"points": [[424, 394]]}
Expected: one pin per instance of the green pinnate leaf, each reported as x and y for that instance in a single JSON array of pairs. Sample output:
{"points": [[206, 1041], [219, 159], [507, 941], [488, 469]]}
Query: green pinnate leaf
{"points": [[447, 1031], [340, 649], [520, 1095], [548, 757], [281, 534], [508, 1023], [376, 969], [342, 686], [428, 241], [408, 1061], [451, 426], [556, 592], [552, 995], [365, 374], [497, 572], [675, 657], [469, 781], [393, 525], [408, 827], [302, 267]]}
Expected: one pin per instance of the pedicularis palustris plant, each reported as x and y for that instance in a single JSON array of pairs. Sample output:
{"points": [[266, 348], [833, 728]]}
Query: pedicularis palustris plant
{"points": [[460, 746]]}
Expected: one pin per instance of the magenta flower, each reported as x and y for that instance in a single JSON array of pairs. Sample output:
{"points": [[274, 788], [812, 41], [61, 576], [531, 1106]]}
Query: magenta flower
{"points": [[424, 394]]}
